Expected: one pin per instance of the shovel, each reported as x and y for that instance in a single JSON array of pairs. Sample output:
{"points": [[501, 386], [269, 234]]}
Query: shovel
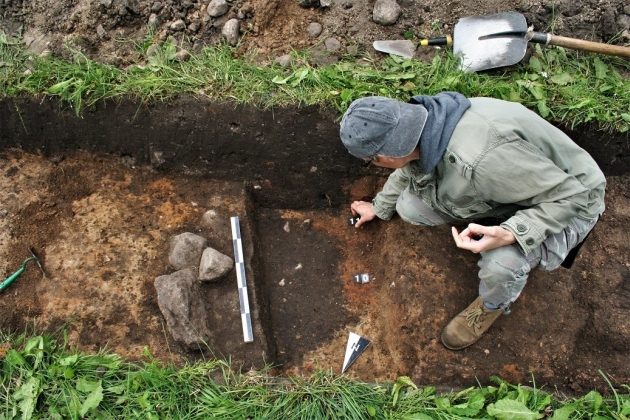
{"points": [[486, 42]]}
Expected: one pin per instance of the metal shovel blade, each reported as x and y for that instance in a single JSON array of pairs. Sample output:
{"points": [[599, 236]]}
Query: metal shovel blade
{"points": [[402, 48], [486, 42]]}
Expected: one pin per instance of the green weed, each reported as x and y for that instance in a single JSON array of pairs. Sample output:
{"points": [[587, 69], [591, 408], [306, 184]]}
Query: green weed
{"points": [[565, 88], [42, 378]]}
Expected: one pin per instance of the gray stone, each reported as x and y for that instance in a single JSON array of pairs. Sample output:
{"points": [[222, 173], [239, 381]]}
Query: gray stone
{"points": [[325, 3], [178, 25], [332, 44], [352, 49], [194, 26], [211, 218], [314, 29], [217, 8], [182, 55], [101, 32], [185, 250], [230, 31], [214, 265], [179, 300], [153, 20], [157, 6], [321, 57], [386, 12], [106, 3], [35, 41], [623, 21], [218, 225], [152, 51], [283, 60]]}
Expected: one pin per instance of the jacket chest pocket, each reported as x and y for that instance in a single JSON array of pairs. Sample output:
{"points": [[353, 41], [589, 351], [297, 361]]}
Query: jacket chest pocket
{"points": [[472, 210]]}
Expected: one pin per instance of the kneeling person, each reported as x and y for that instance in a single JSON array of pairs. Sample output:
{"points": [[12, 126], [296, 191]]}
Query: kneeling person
{"points": [[459, 159]]}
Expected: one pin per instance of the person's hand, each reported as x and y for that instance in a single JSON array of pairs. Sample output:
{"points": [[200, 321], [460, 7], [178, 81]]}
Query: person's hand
{"points": [[364, 209], [478, 238]]}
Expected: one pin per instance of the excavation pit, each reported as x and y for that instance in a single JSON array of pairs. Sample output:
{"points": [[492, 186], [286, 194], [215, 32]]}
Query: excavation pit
{"points": [[100, 195]]}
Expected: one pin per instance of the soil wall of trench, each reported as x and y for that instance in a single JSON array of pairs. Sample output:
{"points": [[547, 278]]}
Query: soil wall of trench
{"points": [[280, 146]]}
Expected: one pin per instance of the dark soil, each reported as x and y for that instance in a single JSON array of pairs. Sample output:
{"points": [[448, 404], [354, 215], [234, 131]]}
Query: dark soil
{"points": [[101, 223]]}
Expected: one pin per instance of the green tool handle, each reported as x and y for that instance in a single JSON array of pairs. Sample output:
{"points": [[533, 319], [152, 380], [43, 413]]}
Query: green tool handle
{"points": [[13, 277]]}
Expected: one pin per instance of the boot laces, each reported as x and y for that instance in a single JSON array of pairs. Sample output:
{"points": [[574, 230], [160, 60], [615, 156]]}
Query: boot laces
{"points": [[474, 316]]}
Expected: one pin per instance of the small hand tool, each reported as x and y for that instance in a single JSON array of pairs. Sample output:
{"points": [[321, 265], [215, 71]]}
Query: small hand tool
{"points": [[13, 277]]}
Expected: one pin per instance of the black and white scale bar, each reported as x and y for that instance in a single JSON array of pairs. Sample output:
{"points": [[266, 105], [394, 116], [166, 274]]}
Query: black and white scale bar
{"points": [[239, 265], [356, 345]]}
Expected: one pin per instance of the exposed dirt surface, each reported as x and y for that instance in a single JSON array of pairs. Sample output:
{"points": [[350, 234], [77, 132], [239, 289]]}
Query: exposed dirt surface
{"points": [[113, 30], [102, 222], [101, 226]]}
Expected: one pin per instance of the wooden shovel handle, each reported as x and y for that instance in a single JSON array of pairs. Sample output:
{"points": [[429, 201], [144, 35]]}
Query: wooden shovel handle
{"points": [[580, 44]]}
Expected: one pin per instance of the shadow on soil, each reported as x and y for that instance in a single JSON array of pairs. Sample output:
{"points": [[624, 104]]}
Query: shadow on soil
{"points": [[100, 196]]}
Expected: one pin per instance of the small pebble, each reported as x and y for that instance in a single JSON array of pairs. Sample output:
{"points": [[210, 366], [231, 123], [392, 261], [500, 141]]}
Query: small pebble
{"points": [[314, 29]]}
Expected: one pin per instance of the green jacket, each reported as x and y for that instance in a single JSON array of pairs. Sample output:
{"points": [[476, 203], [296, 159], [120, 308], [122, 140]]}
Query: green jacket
{"points": [[504, 161]]}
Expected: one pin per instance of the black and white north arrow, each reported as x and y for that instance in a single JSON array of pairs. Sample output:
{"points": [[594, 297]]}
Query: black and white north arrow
{"points": [[356, 345]]}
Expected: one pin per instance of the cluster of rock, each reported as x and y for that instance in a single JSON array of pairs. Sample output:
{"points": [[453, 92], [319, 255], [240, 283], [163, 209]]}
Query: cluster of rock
{"points": [[385, 12], [179, 293], [168, 17]]}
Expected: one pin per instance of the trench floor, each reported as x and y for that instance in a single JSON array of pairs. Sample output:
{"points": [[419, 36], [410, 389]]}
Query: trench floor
{"points": [[102, 226]]}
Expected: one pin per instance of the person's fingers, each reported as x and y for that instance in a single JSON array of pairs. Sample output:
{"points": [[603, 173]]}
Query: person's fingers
{"points": [[456, 237], [478, 229], [463, 241], [354, 207]]}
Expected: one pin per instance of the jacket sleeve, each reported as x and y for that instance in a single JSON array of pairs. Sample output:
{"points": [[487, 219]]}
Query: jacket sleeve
{"points": [[385, 201], [518, 173]]}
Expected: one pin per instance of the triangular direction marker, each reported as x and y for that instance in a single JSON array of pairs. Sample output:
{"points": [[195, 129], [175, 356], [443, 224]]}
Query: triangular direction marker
{"points": [[356, 345]]}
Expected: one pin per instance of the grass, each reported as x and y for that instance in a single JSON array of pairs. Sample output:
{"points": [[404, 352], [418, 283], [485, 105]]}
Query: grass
{"points": [[565, 88], [40, 377]]}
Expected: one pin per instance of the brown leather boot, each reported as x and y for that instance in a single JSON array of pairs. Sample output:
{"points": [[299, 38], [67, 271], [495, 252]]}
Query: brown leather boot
{"points": [[468, 326]]}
